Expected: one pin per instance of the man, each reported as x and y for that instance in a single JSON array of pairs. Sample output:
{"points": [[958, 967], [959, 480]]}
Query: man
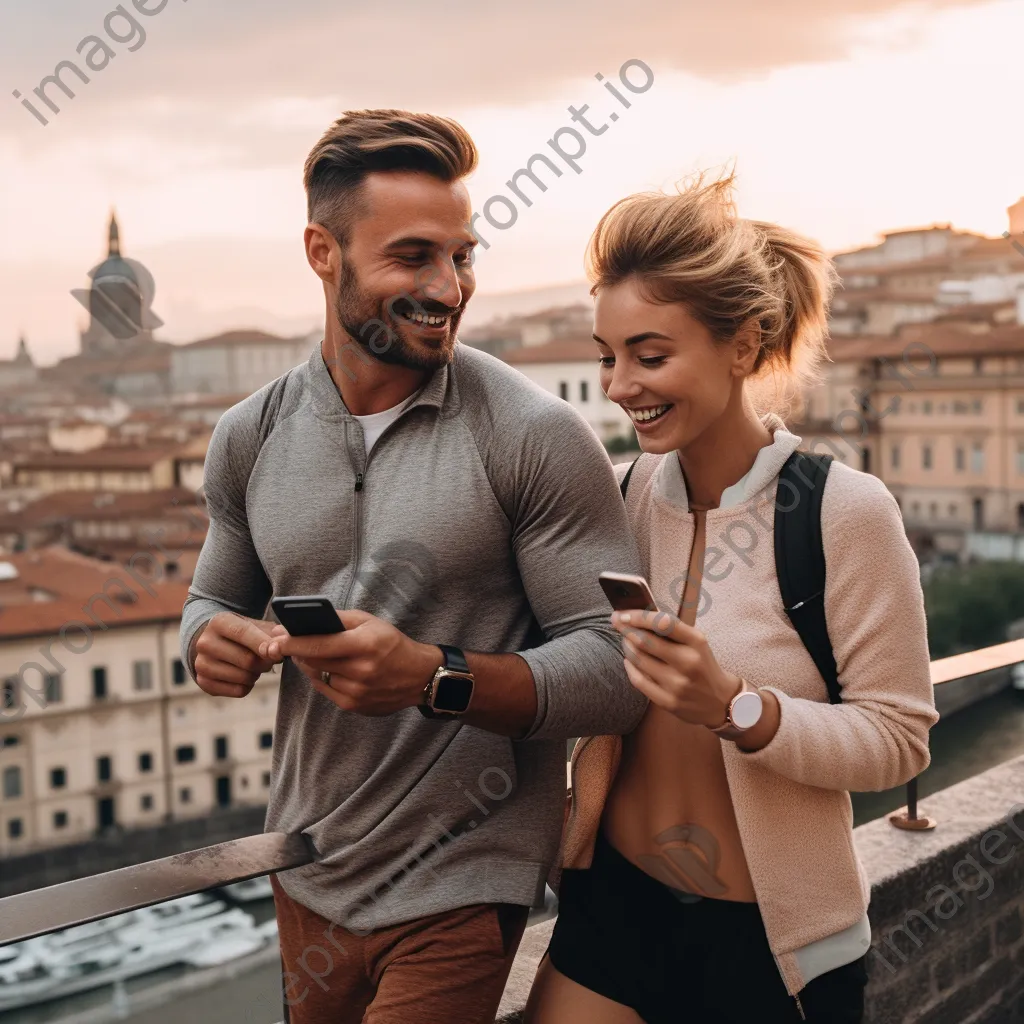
{"points": [[437, 498]]}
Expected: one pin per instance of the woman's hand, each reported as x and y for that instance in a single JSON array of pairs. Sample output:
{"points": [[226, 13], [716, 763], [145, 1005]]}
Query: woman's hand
{"points": [[672, 665]]}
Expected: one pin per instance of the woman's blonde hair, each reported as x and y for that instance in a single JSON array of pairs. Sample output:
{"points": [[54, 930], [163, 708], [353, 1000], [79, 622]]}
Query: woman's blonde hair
{"points": [[693, 248]]}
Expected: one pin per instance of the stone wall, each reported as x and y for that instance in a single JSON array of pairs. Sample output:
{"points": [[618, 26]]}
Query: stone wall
{"points": [[947, 911], [122, 848]]}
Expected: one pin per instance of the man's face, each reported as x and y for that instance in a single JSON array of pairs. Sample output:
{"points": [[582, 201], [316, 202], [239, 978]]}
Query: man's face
{"points": [[407, 272]]}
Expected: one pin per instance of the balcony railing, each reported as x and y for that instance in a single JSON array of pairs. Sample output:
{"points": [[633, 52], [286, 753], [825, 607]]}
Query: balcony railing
{"points": [[27, 915]]}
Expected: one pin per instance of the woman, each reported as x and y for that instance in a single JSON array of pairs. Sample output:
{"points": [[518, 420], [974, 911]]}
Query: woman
{"points": [[709, 867]]}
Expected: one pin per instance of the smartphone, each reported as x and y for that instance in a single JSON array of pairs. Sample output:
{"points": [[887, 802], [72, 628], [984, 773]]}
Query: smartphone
{"points": [[307, 616], [627, 593]]}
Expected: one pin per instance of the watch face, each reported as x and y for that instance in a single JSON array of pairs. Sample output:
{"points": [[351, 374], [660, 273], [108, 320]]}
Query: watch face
{"points": [[453, 693], [746, 710]]}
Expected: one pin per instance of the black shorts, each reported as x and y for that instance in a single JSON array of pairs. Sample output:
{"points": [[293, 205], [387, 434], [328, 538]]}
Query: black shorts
{"points": [[626, 936]]}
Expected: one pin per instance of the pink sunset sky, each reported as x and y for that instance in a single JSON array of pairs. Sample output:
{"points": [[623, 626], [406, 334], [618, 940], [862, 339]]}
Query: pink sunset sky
{"points": [[843, 119]]}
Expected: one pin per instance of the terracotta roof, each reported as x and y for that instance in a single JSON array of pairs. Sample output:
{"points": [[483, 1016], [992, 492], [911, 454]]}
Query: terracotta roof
{"points": [[561, 350], [108, 457], [96, 505], [944, 339], [74, 579], [244, 337]]}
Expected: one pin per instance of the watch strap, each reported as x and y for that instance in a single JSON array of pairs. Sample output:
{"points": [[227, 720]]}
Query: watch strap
{"points": [[454, 659]]}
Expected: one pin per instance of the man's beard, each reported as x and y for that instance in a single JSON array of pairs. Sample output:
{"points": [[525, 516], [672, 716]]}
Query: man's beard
{"points": [[362, 317]]}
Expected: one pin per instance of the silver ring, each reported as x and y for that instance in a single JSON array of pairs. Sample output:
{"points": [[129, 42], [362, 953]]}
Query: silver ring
{"points": [[325, 678]]}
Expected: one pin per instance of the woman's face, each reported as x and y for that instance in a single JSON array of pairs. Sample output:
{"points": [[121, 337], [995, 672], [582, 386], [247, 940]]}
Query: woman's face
{"points": [[661, 366]]}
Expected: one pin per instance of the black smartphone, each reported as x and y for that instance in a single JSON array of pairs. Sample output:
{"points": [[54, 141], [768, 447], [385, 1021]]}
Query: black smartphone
{"points": [[307, 616], [627, 593]]}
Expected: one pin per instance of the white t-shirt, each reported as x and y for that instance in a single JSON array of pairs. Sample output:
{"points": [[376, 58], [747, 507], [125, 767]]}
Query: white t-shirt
{"points": [[376, 423]]}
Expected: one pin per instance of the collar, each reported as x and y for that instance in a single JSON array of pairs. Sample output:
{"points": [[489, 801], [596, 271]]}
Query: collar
{"points": [[327, 400], [670, 484]]}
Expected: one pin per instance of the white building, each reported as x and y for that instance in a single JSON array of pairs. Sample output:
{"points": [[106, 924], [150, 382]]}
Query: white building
{"points": [[569, 368], [238, 362], [100, 725]]}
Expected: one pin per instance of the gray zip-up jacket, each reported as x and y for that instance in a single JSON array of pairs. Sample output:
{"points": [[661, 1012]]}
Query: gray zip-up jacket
{"points": [[481, 519]]}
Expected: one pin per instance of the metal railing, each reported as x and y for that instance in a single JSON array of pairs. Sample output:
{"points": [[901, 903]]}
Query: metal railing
{"points": [[30, 914]]}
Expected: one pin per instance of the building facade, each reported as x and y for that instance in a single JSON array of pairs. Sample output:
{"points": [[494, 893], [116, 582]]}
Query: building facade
{"points": [[100, 726]]}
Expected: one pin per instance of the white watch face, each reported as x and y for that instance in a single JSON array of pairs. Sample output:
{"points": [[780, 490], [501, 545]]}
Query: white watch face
{"points": [[746, 710]]}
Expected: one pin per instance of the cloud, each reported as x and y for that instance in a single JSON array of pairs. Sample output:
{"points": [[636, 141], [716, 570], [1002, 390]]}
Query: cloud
{"points": [[426, 55]]}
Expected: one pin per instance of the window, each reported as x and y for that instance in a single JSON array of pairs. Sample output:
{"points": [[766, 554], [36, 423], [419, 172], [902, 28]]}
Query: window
{"points": [[185, 795], [103, 769], [12, 783], [895, 457], [1020, 406], [177, 672], [584, 391], [142, 675], [146, 802], [10, 697], [60, 819], [563, 391], [1020, 459], [58, 778], [926, 407], [54, 688], [145, 762], [977, 457], [926, 457], [976, 405], [220, 747], [266, 780], [14, 829], [933, 510], [979, 364], [99, 683], [9, 741], [915, 508], [959, 458], [953, 510], [266, 740], [184, 754], [978, 509]]}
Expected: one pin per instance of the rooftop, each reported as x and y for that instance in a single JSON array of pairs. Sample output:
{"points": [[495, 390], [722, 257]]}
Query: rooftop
{"points": [[55, 587]]}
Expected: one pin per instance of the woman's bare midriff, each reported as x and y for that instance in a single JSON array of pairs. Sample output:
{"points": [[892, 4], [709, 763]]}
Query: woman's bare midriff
{"points": [[669, 811]]}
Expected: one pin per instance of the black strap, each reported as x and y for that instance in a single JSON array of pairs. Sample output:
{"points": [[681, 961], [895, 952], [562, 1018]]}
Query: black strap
{"points": [[625, 480], [800, 558], [454, 659]]}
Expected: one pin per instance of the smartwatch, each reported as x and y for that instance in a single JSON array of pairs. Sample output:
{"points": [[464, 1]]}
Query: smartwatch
{"points": [[742, 713], [450, 689]]}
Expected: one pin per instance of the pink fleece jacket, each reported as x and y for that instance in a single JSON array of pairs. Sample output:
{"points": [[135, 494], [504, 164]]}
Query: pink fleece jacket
{"points": [[791, 798]]}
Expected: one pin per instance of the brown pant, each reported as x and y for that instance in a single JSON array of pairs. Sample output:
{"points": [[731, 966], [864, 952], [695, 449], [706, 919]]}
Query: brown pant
{"points": [[447, 968]]}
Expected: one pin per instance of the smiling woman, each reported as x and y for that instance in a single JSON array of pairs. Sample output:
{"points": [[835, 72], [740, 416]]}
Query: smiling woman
{"points": [[96, 53]]}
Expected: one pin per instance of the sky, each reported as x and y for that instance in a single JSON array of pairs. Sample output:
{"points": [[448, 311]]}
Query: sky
{"points": [[842, 120]]}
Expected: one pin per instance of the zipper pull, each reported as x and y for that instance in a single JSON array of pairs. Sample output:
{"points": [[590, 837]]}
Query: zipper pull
{"points": [[359, 481]]}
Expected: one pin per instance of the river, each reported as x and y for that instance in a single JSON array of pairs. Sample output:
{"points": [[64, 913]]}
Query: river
{"points": [[964, 744]]}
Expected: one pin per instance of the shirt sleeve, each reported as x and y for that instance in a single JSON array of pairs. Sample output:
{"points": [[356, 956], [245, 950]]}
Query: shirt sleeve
{"points": [[229, 576], [878, 737], [570, 525]]}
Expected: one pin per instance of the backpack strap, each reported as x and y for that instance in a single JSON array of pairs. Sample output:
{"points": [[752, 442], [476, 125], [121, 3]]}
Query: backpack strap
{"points": [[800, 558], [624, 484]]}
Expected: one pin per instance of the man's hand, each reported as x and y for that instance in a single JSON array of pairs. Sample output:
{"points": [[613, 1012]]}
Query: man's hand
{"points": [[375, 669], [227, 658]]}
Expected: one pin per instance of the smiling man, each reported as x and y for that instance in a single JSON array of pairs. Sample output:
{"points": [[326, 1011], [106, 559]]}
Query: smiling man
{"points": [[457, 516]]}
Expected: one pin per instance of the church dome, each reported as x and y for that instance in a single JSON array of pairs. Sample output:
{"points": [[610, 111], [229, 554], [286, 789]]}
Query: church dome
{"points": [[114, 266]]}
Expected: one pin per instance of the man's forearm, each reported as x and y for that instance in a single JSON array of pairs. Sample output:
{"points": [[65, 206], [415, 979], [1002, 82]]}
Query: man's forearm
{"points": [[504, 694]]}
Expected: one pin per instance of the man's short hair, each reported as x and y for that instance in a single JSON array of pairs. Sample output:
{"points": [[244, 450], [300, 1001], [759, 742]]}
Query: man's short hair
{"points": [[363, 141]]}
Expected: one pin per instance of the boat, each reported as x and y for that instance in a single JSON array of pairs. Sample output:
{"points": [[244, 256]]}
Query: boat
{"points": [[251, 889], [194, 931]]}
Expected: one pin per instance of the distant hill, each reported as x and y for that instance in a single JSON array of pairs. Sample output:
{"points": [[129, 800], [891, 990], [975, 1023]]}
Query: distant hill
{"points": [[484, 308]]}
